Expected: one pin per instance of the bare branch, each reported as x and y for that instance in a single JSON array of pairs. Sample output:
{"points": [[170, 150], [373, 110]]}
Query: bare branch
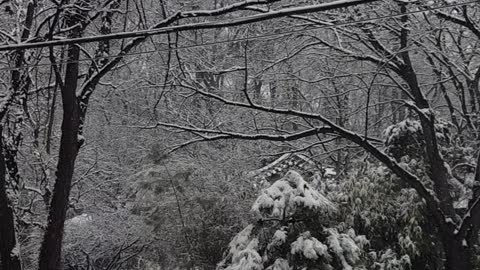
{"points": [[430, 199], [161, 29]]}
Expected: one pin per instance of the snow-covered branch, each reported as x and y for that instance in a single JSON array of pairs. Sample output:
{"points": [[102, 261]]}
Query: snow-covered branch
{"points": [[430, 198]]}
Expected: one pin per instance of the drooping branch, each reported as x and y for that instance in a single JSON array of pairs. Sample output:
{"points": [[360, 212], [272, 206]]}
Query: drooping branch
{"points": [[221, 134], [465, 22], [431, 200]]}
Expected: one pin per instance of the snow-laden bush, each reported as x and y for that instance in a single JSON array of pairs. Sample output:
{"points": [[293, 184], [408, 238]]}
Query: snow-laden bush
{"points": [[279, 264], [388, 261], [293, 231], [347, 248], [309, 247], [288, 196], [389, 215], [243, 251], [406, 138]]}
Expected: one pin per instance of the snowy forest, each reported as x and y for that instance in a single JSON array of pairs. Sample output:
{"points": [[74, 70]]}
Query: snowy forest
{"points": [[239, 134]]}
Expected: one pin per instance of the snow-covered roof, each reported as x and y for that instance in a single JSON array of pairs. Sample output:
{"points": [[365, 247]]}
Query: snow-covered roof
{"points": [[287, 162]]}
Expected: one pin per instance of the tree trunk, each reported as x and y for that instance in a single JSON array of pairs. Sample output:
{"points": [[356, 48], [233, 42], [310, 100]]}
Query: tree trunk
{"points": [[457, 256], [9, 254], [50, 252]]}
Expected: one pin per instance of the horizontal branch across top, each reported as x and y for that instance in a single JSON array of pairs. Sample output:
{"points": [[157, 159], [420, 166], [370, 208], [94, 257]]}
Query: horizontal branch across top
{"points": [[195, 26]]}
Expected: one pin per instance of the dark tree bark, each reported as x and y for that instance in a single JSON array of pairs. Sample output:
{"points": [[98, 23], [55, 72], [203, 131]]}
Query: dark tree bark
{"points": [[10, 259], [9, 246], [50, 251], [74, 113], [458, 255]]}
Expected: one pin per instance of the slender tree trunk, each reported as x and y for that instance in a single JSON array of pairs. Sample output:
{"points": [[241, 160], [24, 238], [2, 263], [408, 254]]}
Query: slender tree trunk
{"points": [[50, 252], [9, 251], [51, 119], [9, 247], [51, 248], [473, 95]]}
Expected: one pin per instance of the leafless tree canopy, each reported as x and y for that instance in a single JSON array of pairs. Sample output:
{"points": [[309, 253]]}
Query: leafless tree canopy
{"points": [[227, 134]]}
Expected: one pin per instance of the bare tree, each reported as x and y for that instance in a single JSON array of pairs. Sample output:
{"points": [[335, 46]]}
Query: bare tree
{"points": [[46, 24], [395, 61]]}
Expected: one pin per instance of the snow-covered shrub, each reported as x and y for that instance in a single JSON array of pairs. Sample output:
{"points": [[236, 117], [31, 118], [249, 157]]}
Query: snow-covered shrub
{"points": [[309, 247], [390, 215], [279, 264], [294, 231], [243, 251], [348, 248], [389, 260], [406, 138], [289, 196]]}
